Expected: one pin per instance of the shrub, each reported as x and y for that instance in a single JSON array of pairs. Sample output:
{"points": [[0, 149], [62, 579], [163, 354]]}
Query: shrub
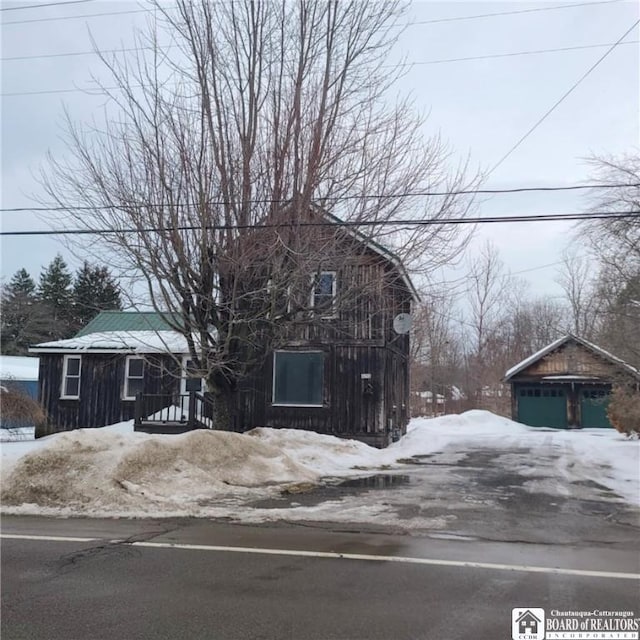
{"points": [[624, 410], [19, 410]]}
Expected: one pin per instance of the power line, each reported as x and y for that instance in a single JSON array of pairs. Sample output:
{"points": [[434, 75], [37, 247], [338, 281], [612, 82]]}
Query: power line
{"points": [[97, 89], [564, 96], [434, 21], [405, 64], [513, 54], [552, 217], [372, 196], [510, 13], [83, 15], [71, 54], [490, 56], [46, 4]]}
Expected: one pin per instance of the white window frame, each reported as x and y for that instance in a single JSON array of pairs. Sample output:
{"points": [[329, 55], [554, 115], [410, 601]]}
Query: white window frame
{"points": [[184, 374], [273, 381], [331, 310], [127, 377], [65, 375]]}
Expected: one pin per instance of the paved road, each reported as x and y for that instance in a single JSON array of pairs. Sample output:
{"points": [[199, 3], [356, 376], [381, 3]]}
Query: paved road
{"points": [[111, 582]]}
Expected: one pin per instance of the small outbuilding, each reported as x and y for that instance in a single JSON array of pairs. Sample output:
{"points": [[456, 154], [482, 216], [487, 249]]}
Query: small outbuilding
{"points": [[566, 385], [20, 374], [18, 392]]}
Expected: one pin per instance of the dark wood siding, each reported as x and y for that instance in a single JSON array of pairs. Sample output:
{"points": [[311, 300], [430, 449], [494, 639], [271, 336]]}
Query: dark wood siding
{"points": [[572, 369], [101, 389], [366, 369], [371, 409], [359, 341]]}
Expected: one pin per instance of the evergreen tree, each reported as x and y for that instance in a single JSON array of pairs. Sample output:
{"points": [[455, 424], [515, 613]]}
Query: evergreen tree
{"points": [[55, 292], [22, 282], [25, 320], [94, 290]]}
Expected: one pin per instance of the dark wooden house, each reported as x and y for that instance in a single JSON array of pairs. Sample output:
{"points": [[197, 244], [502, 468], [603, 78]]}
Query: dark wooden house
{"points": [[340, 368], [566, 385], [93, 379]]}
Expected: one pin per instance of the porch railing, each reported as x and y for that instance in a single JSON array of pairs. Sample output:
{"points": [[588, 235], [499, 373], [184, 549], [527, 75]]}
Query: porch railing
{"points": [[192, 410]]}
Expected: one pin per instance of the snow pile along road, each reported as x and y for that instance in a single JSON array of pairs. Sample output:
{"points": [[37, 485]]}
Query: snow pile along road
{"points": [[114, 471]]}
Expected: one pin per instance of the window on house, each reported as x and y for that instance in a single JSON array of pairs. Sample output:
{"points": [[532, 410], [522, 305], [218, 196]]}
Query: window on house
{"points": [[71, 370], [190, 372], [133, 377], [298, 378], [323, 294]]}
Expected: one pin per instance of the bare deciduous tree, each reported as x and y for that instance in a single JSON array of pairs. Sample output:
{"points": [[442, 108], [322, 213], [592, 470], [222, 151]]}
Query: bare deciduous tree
{"points": [[257, 113], [578, 278], [435, 352], [488, 294], [616, 242], [609, 312]]}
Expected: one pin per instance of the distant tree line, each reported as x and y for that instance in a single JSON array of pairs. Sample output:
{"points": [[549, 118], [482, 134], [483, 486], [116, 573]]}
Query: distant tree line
{"points": [[465, 340], [57, 307]]}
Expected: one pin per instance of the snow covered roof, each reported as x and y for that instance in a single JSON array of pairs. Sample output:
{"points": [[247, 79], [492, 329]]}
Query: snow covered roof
{"points": [[19, 368], [558, 343], [118, 341]]}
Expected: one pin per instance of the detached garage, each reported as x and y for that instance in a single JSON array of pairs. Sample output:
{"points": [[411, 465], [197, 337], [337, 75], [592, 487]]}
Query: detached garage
{"points": [[566, 385]]}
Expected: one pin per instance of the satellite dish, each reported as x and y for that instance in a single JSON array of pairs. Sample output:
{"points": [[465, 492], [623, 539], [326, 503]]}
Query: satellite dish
{"points": [[402, 323]]}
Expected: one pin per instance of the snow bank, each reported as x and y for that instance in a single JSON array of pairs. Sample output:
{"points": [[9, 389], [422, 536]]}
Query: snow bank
{"points": [[17, 434], [427, 435], [114, 471], [324, 455]]}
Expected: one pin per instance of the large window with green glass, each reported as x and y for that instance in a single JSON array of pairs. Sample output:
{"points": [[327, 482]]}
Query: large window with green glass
{"points": [[298, 378]]}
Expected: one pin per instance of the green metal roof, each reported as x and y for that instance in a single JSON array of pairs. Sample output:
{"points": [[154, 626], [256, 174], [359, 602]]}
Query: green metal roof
{"points": [[128, 321]]}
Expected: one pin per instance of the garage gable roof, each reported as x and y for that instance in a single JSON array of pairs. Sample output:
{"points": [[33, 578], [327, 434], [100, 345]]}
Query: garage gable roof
{"points": [[538, 355]]}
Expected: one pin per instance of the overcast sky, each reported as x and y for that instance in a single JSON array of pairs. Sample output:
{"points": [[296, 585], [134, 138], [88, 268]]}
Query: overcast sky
{"points": [[481, 106]]}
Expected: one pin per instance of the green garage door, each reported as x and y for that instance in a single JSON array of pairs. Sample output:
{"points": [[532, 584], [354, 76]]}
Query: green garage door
{"points": [[593, 408], [542, 407]]}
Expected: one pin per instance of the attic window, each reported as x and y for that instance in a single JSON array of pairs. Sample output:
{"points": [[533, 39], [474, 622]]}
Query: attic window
{"points": [[71, 370], [323, 294]]}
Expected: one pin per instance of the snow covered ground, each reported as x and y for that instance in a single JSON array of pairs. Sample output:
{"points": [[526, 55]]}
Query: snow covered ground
{"points": [[115, 472]]}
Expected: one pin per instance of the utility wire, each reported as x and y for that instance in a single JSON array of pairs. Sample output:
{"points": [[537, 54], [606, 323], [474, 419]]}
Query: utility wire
{"points": [[552, 217], [406, 194], [490, 56], [83, 15], [564, 96], [510, 13], [93, 52], [513, 54], [404, 64], [420, 22], [46, 4]]}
